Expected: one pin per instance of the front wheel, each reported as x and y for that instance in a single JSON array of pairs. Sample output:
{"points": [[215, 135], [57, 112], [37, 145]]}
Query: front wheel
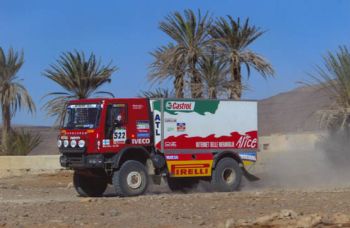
{"points": [[227, 175], [90, 183], [131, 179]]}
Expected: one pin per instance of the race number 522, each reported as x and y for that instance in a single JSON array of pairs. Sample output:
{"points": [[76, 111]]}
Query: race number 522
{"points": [[119, 135]]}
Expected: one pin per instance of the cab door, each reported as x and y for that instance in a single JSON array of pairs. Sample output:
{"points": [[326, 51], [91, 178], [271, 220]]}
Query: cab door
{"points": [[116, 130]]}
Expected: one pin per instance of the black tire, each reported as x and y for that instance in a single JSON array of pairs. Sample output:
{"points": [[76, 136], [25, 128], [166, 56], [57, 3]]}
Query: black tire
{"points": [[226, 176], [182, 184], [131, 179], [90, 183]]}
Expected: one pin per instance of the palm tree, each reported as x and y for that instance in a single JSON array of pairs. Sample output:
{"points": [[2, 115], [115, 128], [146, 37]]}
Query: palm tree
{"points": [[232, 40], [334, 78], [165, 67], [79, 77], [13, 95], [213, 72], [190, 33]]}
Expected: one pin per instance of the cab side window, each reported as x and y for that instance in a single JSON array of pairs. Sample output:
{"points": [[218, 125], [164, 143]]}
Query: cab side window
{"points": [[116, 118]]}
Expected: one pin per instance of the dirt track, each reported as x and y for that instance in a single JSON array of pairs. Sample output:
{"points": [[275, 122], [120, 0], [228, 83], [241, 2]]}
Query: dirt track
{"points": [[49, 200]]}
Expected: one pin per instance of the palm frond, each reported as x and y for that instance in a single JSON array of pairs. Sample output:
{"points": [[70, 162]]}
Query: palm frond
{"points": [[260, 64], [334, 77], [214, 73], [22, 142], [79, 76], [231, 39], [189, 32], [12, 92], [157, 93]]}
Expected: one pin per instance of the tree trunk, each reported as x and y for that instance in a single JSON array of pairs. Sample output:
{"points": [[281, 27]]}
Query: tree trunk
{"points": [[212, 93], [196, 82], [236, 83], [6, 127], [179, 85]]}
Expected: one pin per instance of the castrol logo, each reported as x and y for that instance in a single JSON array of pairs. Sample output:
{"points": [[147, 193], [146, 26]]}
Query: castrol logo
{"points": [[179, 106]]}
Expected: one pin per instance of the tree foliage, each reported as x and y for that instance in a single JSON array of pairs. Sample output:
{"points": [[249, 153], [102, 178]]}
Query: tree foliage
{"points": [[334, 77], [13, 94], [21, 142], [79, 77], [189, 31], [231, 39], [157, 93], [194, 38]]}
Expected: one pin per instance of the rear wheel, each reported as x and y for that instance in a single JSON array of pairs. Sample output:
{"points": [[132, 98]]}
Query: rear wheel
{"points": [[182, 184], [227, 175], [91, 183], [131, 179]]}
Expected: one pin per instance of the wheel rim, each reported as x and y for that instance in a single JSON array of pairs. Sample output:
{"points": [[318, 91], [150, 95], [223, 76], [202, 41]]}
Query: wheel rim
{"points": [[229, 175], [134, 179]]}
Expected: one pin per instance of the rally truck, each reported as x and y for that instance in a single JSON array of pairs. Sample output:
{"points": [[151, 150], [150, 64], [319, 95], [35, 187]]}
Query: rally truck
{"points": [[129, 142]]}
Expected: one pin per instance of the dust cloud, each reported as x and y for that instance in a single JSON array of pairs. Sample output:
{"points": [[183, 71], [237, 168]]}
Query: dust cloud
{"points": [[324, 165]]}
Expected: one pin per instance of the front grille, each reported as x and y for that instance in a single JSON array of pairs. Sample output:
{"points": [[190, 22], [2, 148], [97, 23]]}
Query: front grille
{"points": [[76, 150]]}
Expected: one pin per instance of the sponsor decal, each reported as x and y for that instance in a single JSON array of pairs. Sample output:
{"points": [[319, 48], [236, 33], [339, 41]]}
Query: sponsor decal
{"points": [[143, 130], [170, 144], [137, 106], [76, 133], [140, 141], [118, 105], [172, 157], [142, 124], [180, 168], [83, 106], [181, 127], [187, 170], [249, 156], [214, 144], [119, 135], [143, 135], [157, 124], [233, 141], [75, 137], [170, 129], [169, 120], [246, 141], [180, 105], [106, 142]]}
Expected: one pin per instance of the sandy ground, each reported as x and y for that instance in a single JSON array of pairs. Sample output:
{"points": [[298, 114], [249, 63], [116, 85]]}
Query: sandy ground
{"points": [[50, 200], [298, 188]]}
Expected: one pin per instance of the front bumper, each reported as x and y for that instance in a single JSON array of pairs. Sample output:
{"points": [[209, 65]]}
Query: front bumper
{"points": [[82, 161]]}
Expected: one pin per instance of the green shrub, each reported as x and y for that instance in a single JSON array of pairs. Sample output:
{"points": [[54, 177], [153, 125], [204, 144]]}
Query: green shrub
{"points": [[21, 142]]}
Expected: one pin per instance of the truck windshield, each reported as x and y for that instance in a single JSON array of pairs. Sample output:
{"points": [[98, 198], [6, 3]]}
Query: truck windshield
{"points": [[82, 116]]}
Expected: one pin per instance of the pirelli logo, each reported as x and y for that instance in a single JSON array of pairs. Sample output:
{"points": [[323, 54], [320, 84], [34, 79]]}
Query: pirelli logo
{"points": [[190, 168]]}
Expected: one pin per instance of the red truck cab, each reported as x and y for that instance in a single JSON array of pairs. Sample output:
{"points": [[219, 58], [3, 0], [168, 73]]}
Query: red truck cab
{"points": [[96, 129]]}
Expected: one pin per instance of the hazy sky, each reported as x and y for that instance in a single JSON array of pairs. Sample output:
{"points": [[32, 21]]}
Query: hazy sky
{"points": [[124, 32]]}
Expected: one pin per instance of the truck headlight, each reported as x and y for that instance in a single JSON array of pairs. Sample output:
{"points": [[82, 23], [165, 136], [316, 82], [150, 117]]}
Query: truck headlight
{"points": [[81, 143], [65, 143], [59, 143], [73, 143]]}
